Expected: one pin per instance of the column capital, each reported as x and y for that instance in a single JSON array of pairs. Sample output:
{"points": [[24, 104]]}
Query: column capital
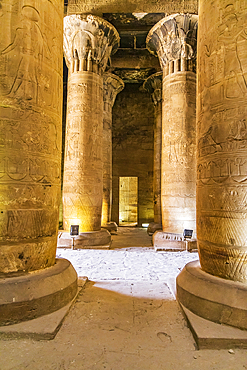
{"points": [[153, 84], [111, 87], [88, 42], [174, 38]]}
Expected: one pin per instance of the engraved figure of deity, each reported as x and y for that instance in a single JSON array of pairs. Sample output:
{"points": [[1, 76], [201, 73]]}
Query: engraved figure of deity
{"points": [[29, 41], [233, 34]]}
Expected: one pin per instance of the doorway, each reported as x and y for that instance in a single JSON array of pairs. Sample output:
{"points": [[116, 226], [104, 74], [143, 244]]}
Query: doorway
{"points": [[128, 201]]}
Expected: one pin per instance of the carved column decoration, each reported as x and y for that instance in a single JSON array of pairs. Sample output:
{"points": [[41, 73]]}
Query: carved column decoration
{"points": [[112, 86], [222, 134], [30, 149], [31, 56], [174, 40], [153, 85], [215, 289], [88, 43]]}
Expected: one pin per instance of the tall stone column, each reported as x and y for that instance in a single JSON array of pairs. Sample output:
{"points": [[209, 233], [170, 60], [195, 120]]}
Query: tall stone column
{"points": [[88, 43], [30, 157], [153, 85], [221, 165], [174, 40], [112, 86]]}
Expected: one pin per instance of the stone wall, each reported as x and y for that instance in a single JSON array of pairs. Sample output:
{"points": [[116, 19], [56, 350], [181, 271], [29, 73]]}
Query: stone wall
{"points": [[122, 6], [133, 120]]}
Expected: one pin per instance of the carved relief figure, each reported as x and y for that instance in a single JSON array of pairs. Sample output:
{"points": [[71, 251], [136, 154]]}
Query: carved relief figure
{"points": [[233, 35], [30, 42]]}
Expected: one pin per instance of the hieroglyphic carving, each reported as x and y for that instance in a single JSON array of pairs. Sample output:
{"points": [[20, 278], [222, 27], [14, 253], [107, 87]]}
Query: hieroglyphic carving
{"points": [[174, 41], [88, 43], [113, 85], [174, 38], [30, 132], [222, 139]]}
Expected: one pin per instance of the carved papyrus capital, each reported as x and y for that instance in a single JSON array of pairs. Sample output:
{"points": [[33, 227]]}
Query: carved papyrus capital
{"points": [[88, 42], [111, 87], [174, 38], [153, 84]]}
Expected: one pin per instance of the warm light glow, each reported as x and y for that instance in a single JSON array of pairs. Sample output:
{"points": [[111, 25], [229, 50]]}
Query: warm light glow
{"points": [[128, 200]]}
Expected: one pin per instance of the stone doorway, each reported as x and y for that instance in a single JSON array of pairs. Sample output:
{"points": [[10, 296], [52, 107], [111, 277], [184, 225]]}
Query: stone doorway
{"points": [[128, 201]]}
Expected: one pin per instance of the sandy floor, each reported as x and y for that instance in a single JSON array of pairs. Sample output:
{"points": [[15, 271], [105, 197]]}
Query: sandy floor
{"points": [[125, 318]]}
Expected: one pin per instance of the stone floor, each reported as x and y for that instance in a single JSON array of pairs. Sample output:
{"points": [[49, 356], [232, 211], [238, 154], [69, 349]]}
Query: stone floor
{"points": [[125, 318]]}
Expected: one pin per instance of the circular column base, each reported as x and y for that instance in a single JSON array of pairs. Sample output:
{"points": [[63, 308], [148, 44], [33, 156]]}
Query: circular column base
{"points": [[152, 227], [110, 226], [27, 296], [89, 240], [212, 298]]}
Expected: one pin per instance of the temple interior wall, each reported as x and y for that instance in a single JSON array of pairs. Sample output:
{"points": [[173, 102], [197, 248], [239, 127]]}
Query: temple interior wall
{"points": [[132, 126]]}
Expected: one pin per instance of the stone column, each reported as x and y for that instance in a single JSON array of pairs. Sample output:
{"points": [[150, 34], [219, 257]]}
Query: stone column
{"points": [[153, 85], [112, 86], [30, 157], [174, 40], [88, 43], [221, 164]]}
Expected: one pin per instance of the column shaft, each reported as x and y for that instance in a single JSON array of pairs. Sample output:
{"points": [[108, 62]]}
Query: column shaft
{"points": [[30, 145], [222, 134], [112, 86], [153, 85], [107, 163], [157, 162], [88, 43], [174, 41], [83, 169], [178, 152]]}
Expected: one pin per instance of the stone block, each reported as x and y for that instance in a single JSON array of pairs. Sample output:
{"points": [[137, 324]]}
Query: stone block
{"points": [[172, 242]]}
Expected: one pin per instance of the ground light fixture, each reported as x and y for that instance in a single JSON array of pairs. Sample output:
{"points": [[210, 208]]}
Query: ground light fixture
{"points": [[187, 234], [74, 230]]}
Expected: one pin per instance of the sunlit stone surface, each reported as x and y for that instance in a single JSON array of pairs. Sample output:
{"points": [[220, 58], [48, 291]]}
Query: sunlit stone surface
{"points": [[174, 40], [30, 133], [88, 43], [222, 134], [112, 86]]}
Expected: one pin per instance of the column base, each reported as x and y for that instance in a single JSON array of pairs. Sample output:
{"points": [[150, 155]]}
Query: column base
{"points": [[212, 298], [89, 240], [28, 296], [152, 227], [110, 226], [164, 241], [44, 327]]}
